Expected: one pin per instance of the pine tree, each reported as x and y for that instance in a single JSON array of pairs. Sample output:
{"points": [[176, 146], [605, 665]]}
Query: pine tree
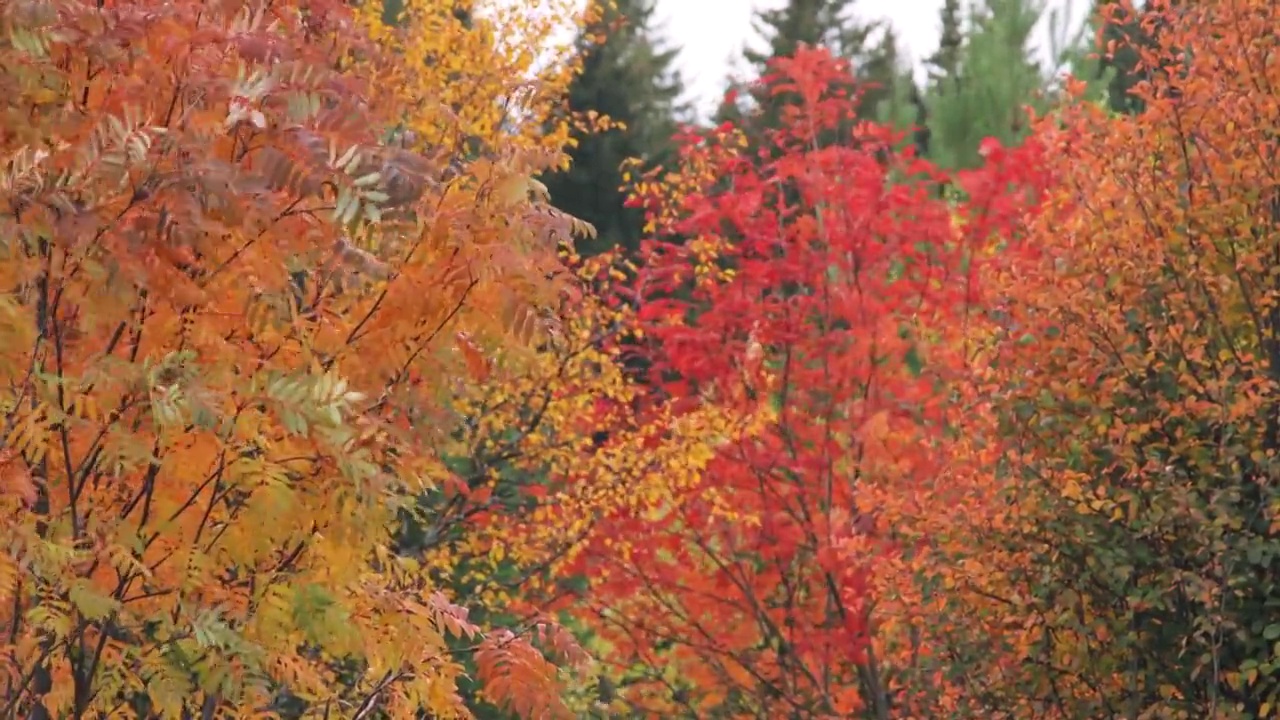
{"points": [[878, 71], [628, 78], [945, 60], [811, 22], [891, 86], [991, 82]]}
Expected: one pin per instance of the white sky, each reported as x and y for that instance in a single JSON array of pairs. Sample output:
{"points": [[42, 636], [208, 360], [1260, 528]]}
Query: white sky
{"points": [[711, 33]]}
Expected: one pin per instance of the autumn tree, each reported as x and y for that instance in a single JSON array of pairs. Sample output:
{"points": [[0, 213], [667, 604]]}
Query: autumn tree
{"points": [[244, 248], [836, 304], [539, 452], [1144, 401]]}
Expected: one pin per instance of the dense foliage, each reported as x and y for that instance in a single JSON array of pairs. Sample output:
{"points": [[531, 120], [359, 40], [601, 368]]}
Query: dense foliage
{"points": [[243, 249], [841, 293], [1147, 426], [312, 410]]}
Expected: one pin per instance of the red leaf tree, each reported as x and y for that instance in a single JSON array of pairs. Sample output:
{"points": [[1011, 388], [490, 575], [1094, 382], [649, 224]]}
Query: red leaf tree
{"points": [[830, 296]]}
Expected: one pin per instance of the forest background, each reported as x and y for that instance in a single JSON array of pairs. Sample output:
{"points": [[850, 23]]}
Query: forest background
{"points": [[402, 360]]}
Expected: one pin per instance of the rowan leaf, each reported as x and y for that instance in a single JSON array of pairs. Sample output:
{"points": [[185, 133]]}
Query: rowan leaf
{"points": [[243, 375]]}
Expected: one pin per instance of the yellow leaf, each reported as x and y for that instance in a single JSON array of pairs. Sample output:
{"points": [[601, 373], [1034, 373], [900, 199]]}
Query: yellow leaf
{"points": [[44, 96], [511, 189], [1071, 490]]}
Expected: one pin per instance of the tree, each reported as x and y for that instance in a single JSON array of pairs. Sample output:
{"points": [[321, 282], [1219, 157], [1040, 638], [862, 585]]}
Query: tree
{"points": [[945, 61], [837, 304], [900, 102], [629, 97], [874, 65], [813, 23], [1143, 405], [980, 87], [225, 261]]}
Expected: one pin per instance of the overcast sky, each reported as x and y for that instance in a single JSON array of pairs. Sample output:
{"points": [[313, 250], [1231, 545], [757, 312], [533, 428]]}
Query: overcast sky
{"points": [[711, 33]]}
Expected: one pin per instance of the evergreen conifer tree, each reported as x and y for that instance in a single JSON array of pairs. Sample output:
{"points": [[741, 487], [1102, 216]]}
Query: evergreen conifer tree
{"points": [[628, 78], [811, 22], [945, 61], [899, 103], [878, 70], [982, 84]]}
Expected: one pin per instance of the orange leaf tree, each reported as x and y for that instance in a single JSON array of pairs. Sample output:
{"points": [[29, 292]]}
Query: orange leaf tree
{"points": [[823, 299], [1145, 412], [245, 248]]}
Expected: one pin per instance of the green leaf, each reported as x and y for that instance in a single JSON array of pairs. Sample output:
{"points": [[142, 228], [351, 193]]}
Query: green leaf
{"points": [[913, 361], [92, 604], [896, 270]]}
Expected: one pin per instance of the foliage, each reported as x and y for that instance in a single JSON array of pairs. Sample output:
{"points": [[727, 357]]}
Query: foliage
{"points": [[311, 409], [537, 456], [484, 79], [236, 289], [1146, 419], [838, 306], [800, 23], [897, 99], [1121, 34]]}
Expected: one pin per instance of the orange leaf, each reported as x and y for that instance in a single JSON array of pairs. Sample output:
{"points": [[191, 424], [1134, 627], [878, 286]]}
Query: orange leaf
{"points": [[477, 363], [16, 479]]}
